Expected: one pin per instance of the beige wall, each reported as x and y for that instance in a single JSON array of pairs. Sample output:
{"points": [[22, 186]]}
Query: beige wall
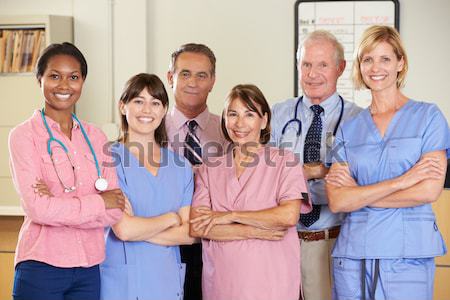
{"points": [[252, 39]]}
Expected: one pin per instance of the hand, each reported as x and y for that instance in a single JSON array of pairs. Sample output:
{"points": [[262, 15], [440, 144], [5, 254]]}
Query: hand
{"points": [[340, 176], [41, 188], [114, 199], [177, 221], [315, 170], [426, 168], [269, 234], [128, 208], [209, 218]]}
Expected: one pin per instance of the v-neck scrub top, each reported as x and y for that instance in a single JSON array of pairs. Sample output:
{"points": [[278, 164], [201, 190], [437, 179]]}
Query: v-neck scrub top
{"points": [[251, 269], [416, 128], [143, 270]]}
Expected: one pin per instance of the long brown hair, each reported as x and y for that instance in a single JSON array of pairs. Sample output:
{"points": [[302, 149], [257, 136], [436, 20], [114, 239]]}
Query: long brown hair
{"points": [[155, 87]]}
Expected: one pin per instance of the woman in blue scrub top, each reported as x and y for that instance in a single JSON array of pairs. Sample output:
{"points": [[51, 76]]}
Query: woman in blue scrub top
{"points": [[390, 163], [142, 253]]}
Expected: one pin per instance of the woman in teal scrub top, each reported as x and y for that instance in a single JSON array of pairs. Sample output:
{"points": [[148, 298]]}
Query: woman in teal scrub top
{"points": [[390, 164], [142, 254]]}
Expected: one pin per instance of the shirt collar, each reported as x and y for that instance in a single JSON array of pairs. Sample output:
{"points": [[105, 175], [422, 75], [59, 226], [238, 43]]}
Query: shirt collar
{"points": [[328, 104], [179, 119], [51, 123]]}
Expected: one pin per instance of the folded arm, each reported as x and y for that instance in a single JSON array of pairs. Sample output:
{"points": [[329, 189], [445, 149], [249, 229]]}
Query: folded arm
{"points": [[419, 185], [175, 235], [134, 228], [87, 211], [265, 224], [231, 231]]}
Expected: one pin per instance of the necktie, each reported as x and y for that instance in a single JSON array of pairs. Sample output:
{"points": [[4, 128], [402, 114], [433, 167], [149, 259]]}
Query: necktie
{"points": [[311, 153], [192, 147]]}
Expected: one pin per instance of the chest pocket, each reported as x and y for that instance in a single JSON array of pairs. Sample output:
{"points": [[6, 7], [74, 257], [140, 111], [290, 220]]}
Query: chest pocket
{"points": [[60, 166], [89, 167], [403, 153]]}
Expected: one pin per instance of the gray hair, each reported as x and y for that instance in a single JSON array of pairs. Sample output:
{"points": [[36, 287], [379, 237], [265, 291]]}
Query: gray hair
{"points": [[326, 36], [193, 48]]}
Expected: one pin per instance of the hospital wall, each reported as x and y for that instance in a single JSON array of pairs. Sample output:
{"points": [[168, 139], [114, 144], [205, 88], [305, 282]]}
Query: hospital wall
{"points": [[254, 43]]}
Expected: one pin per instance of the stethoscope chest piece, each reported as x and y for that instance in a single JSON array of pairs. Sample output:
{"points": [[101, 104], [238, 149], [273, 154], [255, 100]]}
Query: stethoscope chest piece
{"points": [[101, 184]]}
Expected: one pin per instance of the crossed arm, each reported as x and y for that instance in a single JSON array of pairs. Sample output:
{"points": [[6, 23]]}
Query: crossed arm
{"points": [[267, 224], [168, 229], [421, 184]]}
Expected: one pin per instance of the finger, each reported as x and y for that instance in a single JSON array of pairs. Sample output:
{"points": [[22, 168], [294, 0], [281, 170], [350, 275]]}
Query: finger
{"points": [[202, 209], [44, 194], [436, 168], [209, 227], [432, 169], [434, 174], [333, 183], [204, 223], [198, 219], [199, 225], [429, 158]]}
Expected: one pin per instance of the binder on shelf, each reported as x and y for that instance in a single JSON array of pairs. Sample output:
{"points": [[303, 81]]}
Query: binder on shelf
{"points": [[20, 49]]}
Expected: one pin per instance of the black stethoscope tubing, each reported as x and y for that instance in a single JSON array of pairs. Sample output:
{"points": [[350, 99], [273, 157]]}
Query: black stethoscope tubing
{"points": [[297, 120]]}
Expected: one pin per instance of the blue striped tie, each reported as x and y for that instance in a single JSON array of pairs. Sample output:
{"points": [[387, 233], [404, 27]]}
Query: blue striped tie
{"points": [[192, 149], [311, 153]]}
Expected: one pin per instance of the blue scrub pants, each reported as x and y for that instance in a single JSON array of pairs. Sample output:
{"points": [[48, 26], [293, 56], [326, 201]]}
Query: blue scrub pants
{"points": [[389, 279], [35, 280]]}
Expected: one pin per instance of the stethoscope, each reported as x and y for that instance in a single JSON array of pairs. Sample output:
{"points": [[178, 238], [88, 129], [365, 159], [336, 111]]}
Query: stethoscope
{"points": [[101, 184], [297, 121], [291, 124]]}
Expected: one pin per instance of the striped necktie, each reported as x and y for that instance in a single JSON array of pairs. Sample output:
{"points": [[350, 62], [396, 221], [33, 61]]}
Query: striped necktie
{"points": [[192, 146], [311, 153]]}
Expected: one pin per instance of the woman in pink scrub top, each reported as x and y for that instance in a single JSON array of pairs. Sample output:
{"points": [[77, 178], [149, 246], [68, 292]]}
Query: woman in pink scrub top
{"points": [[67, 187], [245, 208]]}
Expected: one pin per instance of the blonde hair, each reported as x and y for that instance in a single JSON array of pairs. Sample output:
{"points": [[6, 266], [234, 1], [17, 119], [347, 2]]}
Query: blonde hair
{"points": [[371, 38]]}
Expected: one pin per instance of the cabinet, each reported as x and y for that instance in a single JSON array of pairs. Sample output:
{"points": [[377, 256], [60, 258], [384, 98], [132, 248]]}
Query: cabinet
{"points": [[442, 209], [19, 92], [9, 230]]}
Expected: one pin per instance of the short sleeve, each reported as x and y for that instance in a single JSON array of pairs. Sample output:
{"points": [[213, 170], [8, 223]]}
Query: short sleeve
{"points": [[117, 153], [201, 192], [436, 135], [188, 186], [338, 153], [292, 182]]}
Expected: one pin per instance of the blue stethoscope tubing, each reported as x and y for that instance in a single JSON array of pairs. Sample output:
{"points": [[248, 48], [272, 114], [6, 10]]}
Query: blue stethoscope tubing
{"points": [[101, 183], [297, 120]]}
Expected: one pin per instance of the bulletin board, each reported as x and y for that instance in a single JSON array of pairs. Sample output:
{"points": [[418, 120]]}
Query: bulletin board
{"points": [[346, 20]]}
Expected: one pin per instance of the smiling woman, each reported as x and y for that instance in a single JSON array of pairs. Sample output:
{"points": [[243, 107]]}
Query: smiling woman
{"points": [[253, 205], [389, 167], [57, 163], [142, 250]]}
